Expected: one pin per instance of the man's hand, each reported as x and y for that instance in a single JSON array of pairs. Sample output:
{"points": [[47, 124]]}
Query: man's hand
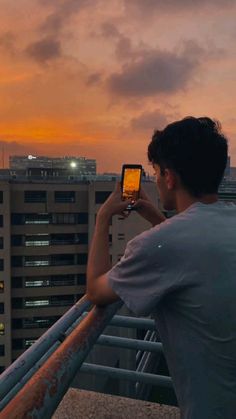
{"points": [[146, 209], [114, 205]]}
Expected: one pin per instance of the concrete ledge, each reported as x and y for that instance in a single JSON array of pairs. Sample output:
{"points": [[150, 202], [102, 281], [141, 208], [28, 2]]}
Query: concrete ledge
{"points": [[91, 405]]}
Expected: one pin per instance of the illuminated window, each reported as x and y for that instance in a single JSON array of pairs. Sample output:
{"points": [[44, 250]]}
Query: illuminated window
{"points": [[36, 303], [2, 328], [37, 240], [29, 342], [37, 261], [1, 286]]}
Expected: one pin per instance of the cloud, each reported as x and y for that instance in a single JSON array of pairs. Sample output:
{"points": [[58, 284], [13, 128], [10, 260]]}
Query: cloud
{"points": [[151, 7], [109, 30], [94, 78], [7, 42], [63, 10], [50, 32], [124, 48], [44, 50], [150, 121], [157, 71]]}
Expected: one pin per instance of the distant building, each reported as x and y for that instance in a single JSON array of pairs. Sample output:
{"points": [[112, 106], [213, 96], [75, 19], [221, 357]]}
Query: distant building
{"points": [[44, 166], [227, 190], [227, 169], [233, 173]]}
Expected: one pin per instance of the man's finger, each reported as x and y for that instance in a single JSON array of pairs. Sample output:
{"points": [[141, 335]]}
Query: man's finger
{"points": [[143, 195], [117, 187]]}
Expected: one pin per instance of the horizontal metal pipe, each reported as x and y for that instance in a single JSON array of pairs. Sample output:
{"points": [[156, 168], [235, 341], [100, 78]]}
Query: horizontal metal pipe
{"points": [[123, 374], [133, 322], [12, 375], [130, 343], [43, 392]]}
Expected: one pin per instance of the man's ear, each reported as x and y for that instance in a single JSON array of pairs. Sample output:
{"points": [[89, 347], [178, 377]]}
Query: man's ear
{"points": [[170, 178]]}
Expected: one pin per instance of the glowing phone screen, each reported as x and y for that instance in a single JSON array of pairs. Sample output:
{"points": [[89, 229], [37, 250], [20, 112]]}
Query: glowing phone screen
{"points": [[131, 183]]}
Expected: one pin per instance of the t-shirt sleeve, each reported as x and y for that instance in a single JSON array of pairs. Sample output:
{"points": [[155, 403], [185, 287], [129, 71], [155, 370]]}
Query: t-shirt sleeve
{"points": [[137, 278]]}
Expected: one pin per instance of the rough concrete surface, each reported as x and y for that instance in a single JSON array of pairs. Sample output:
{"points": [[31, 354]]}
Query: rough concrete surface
{"points": [[91, 405]]}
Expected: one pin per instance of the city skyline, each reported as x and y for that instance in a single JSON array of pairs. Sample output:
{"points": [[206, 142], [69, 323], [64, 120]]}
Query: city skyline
{"points": [[94, 79]]}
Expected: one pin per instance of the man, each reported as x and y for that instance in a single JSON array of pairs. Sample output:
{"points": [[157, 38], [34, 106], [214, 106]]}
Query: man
{"points": [[182, 270]]}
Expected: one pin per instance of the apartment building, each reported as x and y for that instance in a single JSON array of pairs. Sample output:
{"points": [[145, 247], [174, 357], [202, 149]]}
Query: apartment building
{"points": [[45, 230]]}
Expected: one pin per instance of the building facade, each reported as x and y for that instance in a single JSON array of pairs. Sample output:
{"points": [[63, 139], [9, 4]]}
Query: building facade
{"points": [[45, 231], [43, 165]]}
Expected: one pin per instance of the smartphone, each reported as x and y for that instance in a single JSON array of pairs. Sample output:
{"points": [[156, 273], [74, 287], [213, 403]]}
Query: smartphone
{"points": [[131, 182]]}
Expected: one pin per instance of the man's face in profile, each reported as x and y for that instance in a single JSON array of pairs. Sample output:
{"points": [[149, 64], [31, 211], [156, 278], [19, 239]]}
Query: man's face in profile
{"points": [[166, 194]]}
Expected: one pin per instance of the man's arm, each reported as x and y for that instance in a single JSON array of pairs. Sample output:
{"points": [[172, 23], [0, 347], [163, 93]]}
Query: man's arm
{"points": [[98, 289]]}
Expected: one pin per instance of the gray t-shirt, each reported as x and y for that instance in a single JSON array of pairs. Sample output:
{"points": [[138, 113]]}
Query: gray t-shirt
{"points": [[183, 271]]}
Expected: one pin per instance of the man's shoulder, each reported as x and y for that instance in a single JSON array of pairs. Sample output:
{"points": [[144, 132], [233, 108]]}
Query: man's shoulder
{"points": [[158, 233]]}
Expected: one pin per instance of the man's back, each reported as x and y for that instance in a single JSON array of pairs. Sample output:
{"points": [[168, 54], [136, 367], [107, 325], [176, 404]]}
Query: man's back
{"points": [[184, 271], [197, 318]]}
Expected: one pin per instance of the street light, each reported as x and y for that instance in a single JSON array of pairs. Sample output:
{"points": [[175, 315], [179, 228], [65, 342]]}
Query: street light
{"points": [[73, 164]]}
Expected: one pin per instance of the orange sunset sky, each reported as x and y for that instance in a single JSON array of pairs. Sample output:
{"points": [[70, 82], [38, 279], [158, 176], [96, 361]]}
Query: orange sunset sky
{"points": [[94, 78]]}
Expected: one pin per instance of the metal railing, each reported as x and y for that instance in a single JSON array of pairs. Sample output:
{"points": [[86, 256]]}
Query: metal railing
{"points": [[36, 382]]}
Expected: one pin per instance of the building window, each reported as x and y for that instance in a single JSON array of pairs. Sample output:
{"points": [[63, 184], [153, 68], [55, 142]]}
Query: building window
{"points": [[64, 196], [21, 219], [62, 259], [1, 242], [37, 283], [29, 342], [52, 301], [63, 280], [37, 302], [17, 219], [82, 218], [16, 261], [17, 282], [1, 220], [63, 218], [121, 236], [1, 264], [101, 196], [1, 286], [39, 322], [81, 279], [37, 240], [2, 328], [1, 197], [37, 261], [2, 350], [41, 218], [35, 196], [16, 240], [16, 323], [62, 239], [82, 258], [1, 308], [81, 238], [17, 343], [17, 302]]}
